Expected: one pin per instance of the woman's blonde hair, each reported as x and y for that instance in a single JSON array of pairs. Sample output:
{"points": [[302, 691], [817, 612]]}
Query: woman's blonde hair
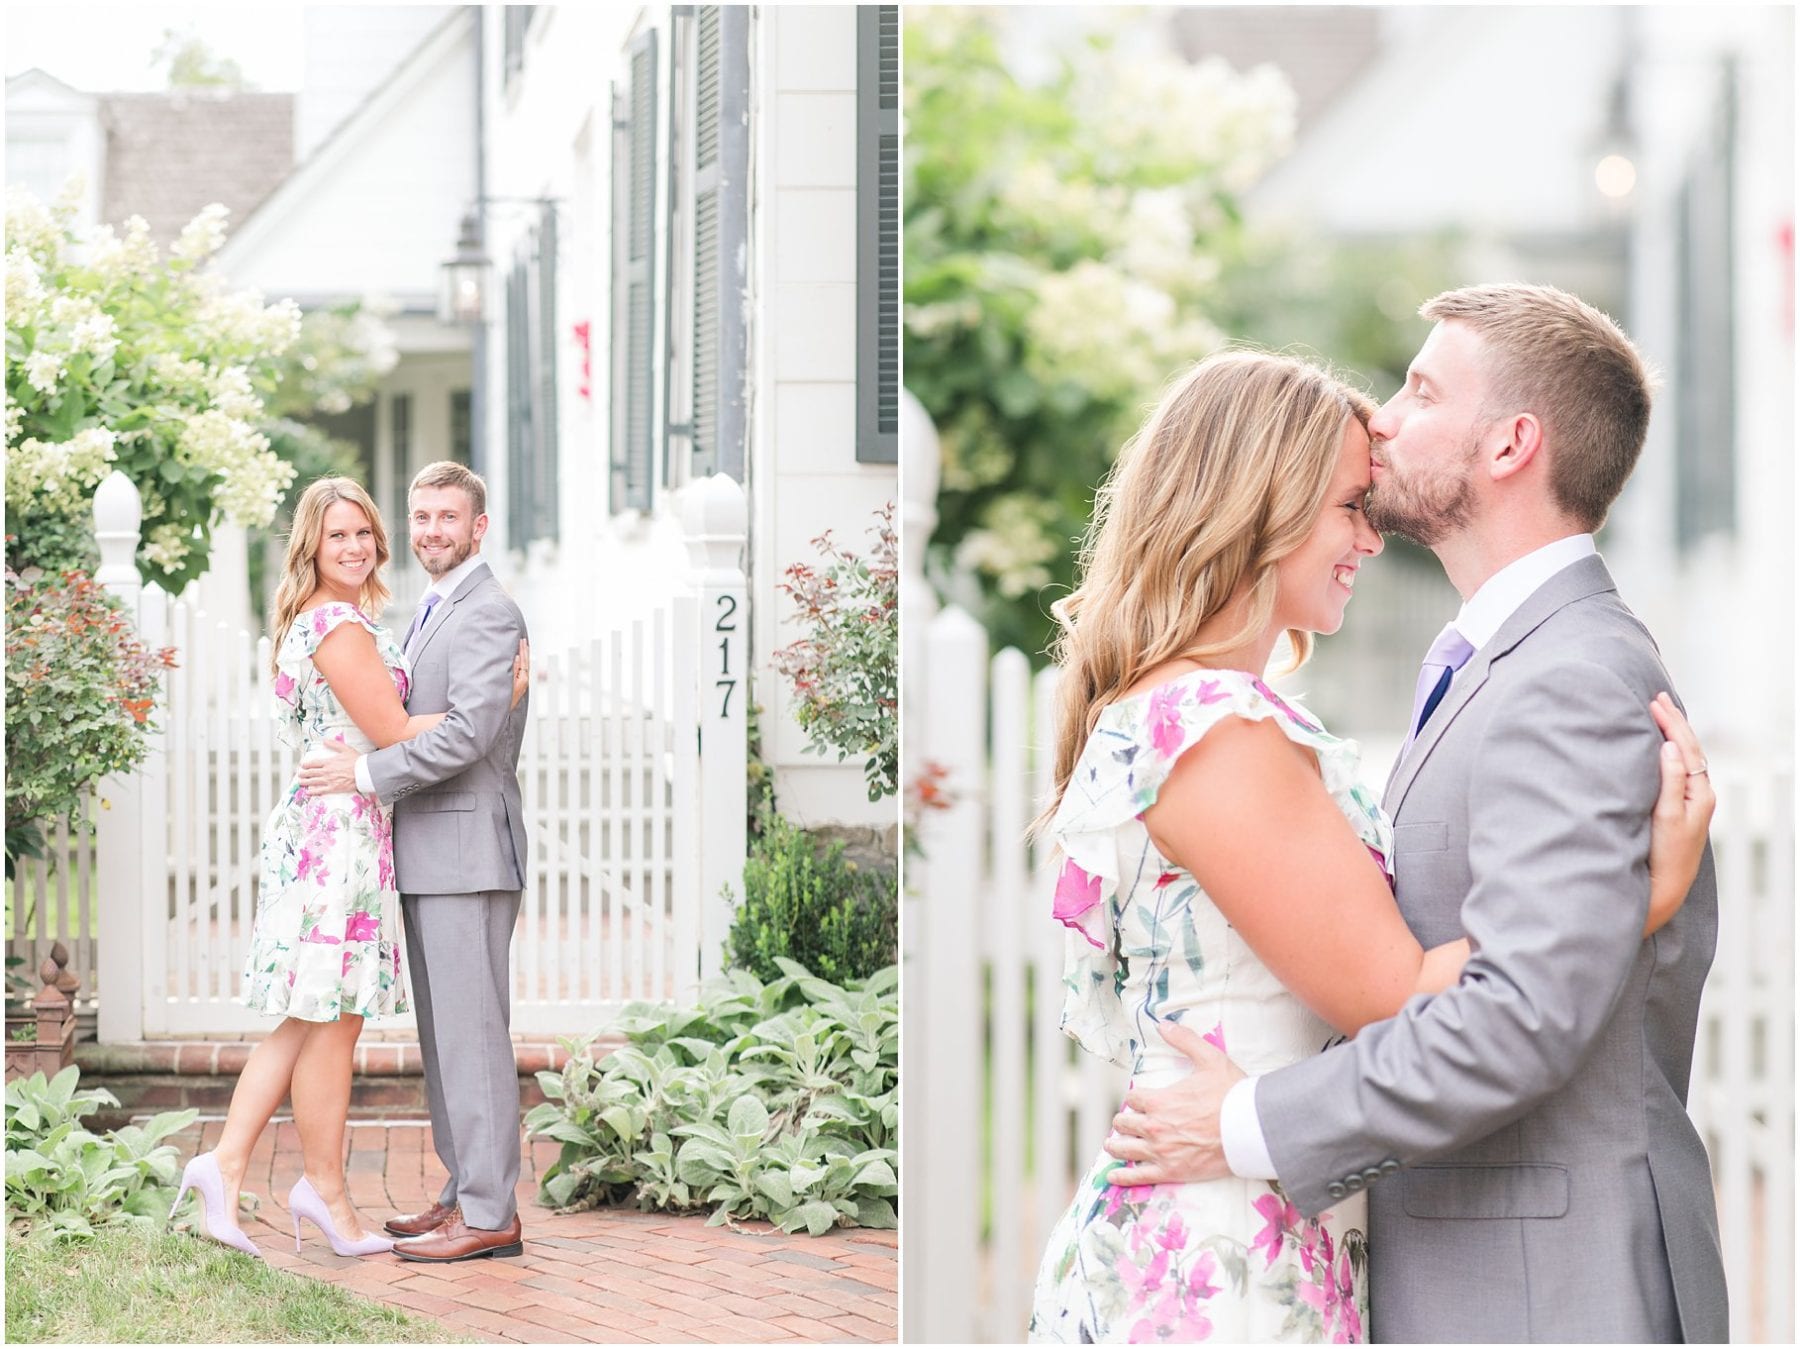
{"points": [[1225, 479], [300, 568]]}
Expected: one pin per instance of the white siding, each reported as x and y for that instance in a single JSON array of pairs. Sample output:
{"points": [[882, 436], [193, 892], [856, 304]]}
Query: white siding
{"points": [[804, 474]]}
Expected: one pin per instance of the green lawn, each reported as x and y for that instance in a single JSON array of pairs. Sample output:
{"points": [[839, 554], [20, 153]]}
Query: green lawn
{"points": [[133, 1286]]}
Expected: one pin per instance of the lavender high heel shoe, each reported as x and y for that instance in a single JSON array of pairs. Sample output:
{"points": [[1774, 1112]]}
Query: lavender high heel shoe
{"points": [[213, 1216], [304, 1202]]}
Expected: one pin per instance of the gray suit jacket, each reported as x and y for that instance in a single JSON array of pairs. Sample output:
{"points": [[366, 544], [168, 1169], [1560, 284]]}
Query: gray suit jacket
{"points": [[459, 823], [1553, 1186]]}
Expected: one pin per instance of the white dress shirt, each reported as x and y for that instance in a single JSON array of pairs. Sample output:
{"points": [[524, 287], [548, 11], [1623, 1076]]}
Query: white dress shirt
{"points": [[444, 588], [1481, 617]]}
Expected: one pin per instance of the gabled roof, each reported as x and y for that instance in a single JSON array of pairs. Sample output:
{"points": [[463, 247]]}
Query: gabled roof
{"points": [[38, 80], [170, 154], [314, 172], [314, 209]]}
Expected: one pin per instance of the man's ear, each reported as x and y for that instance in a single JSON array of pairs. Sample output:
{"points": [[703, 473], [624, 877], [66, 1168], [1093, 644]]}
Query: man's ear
{"points": [[480, 527], [1520, 441]]}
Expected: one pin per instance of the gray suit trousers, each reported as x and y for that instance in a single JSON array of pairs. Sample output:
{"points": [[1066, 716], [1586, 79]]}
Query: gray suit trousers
{"points": [[457, 951]]}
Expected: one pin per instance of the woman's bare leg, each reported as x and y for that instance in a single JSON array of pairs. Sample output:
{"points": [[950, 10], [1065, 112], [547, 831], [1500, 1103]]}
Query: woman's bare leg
{"points": [[260, 1090], [321, 1112]]}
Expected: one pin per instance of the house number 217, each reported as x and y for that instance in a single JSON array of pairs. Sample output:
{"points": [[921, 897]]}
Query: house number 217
{"points": [[727, 624]]}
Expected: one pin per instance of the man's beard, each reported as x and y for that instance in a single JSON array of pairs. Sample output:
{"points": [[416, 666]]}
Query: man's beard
{"points": [[445, 562], [1423, 512]]}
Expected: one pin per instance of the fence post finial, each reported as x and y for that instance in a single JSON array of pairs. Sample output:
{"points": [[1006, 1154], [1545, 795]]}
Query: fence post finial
{"points": [[118, 519]]}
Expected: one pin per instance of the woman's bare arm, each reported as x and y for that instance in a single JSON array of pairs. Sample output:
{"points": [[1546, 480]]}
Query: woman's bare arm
{"points": [[1244, 811], [363, 684]]}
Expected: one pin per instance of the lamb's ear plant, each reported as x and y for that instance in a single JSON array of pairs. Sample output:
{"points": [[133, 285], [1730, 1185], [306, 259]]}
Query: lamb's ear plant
{"points": [[762, 1100], [63, 1181]]}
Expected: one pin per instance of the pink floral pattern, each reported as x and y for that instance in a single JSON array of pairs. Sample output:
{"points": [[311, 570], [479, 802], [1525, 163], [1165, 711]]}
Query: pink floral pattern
{"points": [[1141, 1272], [1231, 1260], [327, 939]]}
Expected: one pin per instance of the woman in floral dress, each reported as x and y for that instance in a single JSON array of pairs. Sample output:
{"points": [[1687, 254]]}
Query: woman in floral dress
{"points": [[326, 950], [1234, 517]]}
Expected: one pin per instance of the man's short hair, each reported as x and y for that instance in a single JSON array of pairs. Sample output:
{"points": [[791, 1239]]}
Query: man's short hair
{"points": [[447, 473], [1558, 357]]}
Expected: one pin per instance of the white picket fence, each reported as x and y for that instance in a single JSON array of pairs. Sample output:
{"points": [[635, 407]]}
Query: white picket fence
{"points": [[1003, 1113], [629, 831]]}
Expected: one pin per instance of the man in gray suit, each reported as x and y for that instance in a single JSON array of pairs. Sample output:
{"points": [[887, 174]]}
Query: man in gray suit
{"points": [[1531, 1169], [459, 858]]}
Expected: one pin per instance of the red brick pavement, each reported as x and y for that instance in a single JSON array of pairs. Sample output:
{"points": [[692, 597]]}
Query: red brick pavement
{"points": [[605, 1276]]}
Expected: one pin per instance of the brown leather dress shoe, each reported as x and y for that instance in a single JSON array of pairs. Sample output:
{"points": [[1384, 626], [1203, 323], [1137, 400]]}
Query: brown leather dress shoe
{"points": [[456, 1240], [418, 1224]]}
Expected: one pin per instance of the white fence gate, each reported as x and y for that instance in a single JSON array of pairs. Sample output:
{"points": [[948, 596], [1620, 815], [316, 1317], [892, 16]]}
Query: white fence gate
{"points": [[628, 778], [1003, 1113]]}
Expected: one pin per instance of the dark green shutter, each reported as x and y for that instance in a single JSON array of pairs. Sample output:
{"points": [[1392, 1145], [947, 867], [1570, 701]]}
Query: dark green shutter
{"points": [[634, 279], [721, 235], [878, 234], [544, 356], [400, 427], [705, 364], [520, 430]]}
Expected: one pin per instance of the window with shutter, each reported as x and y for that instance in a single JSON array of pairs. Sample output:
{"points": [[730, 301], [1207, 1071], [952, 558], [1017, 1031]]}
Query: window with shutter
{"points": [[1705, 425], [720, 238], [400, 428], [520, 429], [633, 278], [461, 426], [544, 357], [878, 234]]}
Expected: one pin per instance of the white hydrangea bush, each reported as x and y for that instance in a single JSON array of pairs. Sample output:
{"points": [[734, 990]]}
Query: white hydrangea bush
{"points": [[117, 357], [1071, 195]]}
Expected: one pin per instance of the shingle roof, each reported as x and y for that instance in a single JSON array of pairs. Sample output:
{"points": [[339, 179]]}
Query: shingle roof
{"points": [[170, 154]]}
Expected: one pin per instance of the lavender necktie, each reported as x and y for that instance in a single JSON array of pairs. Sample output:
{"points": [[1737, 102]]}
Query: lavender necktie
{"points": [[425, 607], [1448, 654]]}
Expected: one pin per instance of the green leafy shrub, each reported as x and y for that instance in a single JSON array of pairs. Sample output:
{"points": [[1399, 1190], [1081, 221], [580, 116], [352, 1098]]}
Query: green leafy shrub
{"points": [[846, 671], [764, 1100], [63, 1181], [1063, 237], [813, 906], [80, 688]]}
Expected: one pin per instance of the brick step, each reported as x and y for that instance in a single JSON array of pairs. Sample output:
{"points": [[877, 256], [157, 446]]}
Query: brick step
{"points": [[387, 1077]]}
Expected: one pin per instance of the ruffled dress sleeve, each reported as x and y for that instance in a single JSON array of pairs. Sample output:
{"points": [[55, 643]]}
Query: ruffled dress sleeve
{"points": [[1133, 749], [294, 669]]}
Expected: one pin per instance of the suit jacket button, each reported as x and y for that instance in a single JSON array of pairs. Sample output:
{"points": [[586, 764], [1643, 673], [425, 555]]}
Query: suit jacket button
{"points": [[1353, 1182], [1371, 1174], [1336, 1189], [1389, 1167]]}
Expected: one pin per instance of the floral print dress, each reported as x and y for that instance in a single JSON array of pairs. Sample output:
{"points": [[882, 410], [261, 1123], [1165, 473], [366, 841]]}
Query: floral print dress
{"points": [[1227, 1260], [327, 936]]}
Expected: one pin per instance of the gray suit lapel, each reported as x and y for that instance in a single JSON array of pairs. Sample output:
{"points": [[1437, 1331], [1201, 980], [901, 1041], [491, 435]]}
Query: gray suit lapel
{"points": [[470, 584], [1575, 582]]}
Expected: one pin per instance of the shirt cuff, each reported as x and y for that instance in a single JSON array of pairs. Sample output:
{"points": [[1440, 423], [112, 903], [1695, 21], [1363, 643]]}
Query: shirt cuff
{"points": [[1246, 1151], [365, 783]]}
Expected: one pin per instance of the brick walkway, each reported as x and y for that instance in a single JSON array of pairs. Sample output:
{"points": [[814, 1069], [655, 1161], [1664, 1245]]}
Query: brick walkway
{"points": [[605, 1276]]}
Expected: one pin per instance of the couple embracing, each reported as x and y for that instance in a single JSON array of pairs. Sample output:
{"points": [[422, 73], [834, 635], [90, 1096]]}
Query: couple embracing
{"points": [[1514, 939], [390, 797]]}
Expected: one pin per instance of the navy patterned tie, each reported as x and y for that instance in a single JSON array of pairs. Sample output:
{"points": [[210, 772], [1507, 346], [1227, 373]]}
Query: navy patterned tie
{"points": [[418, 624], [1448, 654]]}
